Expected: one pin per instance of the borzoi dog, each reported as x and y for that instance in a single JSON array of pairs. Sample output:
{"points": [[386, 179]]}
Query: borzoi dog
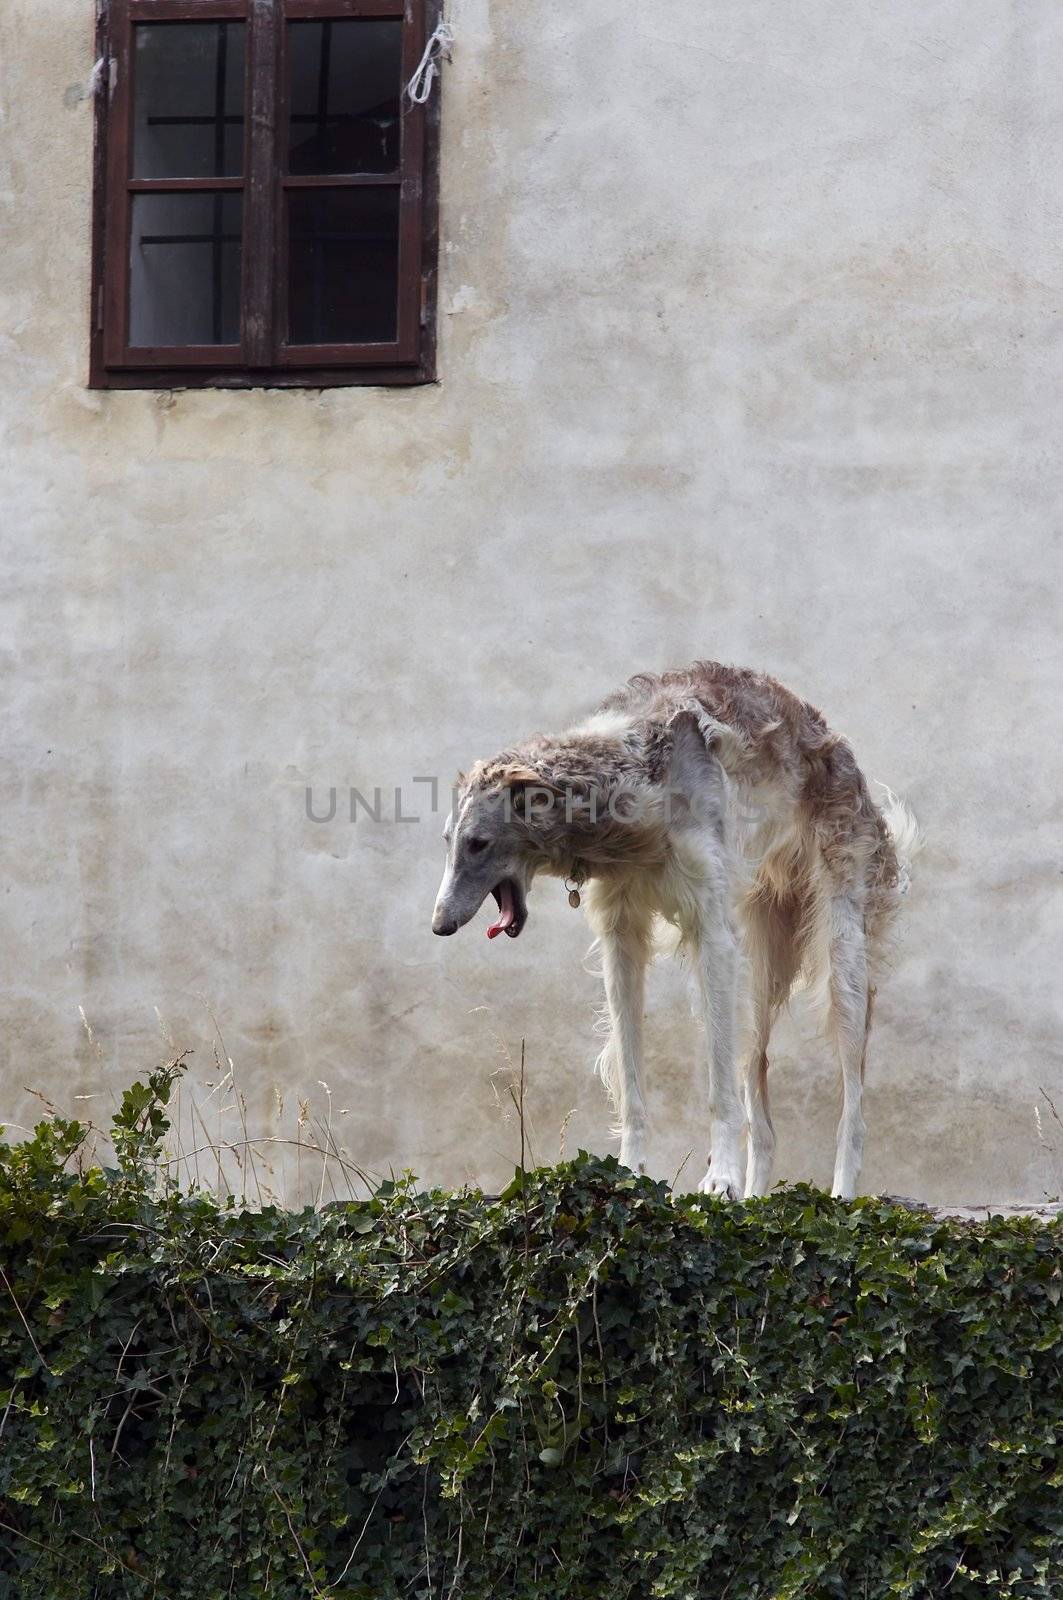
{"points": [[714, 800]]}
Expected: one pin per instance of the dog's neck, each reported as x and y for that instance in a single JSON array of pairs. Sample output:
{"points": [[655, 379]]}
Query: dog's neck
{"points": [[597, 838], [605, 813]]}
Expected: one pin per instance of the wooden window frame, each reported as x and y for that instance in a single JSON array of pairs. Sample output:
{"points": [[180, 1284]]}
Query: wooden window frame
{"points": [[261, 359]]}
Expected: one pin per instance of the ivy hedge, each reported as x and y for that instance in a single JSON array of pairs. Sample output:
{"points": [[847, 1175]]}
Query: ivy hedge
{"points": [[588, 1388]]}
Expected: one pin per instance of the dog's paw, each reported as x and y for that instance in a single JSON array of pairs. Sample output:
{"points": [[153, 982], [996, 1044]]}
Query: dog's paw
{"points": [[633, 1157], [729, 1185]]}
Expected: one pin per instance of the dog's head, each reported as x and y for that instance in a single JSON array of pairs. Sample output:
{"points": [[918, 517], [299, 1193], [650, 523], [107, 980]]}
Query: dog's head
{"points": [[489, 849]]}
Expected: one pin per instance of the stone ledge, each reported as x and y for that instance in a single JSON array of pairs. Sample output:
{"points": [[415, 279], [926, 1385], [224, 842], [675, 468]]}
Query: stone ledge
{"points": [[1045, 1210]]}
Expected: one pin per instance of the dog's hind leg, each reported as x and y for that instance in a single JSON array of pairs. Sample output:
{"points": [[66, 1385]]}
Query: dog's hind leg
{"points": [[623, 931], [850, 1017], [771, 926]]}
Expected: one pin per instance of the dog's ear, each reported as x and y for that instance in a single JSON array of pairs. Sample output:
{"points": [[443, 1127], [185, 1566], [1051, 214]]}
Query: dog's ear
{"points": [[518, 775], [527, 792]]}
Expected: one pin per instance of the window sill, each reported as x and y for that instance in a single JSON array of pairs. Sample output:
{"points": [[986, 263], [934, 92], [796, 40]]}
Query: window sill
{"points": [[172, 378]]}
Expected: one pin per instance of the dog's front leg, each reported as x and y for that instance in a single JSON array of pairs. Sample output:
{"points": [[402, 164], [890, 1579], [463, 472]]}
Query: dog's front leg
{"points": [[624, 939], [696, 804], [718, 982]]}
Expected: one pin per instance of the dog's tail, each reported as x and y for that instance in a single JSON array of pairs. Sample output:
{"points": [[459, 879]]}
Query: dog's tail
{"points": [[906, 836], [895, 879], [890, 879]]}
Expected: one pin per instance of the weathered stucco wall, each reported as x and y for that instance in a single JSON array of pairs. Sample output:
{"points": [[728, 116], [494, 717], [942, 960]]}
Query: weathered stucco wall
{"points": [[751, 348]]}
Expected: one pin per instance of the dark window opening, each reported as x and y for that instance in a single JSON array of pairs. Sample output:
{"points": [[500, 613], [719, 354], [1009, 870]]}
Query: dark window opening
{"points": [[346, 85], [184, 270], [342, 265], [266, 194], [188, 99]]}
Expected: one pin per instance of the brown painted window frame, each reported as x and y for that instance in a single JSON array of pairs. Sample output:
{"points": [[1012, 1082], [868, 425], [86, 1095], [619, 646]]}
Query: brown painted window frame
{"points": [[262, 360]]}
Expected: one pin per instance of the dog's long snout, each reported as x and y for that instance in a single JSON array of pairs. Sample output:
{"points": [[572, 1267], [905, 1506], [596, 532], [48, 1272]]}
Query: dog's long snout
{"points": [[444, 918]]}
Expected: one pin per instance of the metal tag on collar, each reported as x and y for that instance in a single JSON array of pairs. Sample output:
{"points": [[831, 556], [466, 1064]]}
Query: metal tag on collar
{"points": [[573, 886]]}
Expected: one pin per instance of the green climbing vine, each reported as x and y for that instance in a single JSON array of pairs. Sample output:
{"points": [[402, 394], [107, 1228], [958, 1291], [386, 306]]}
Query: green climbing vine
{"points": [[588, 1388]]}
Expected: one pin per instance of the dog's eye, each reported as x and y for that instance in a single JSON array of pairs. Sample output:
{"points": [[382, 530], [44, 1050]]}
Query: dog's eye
{"points": [[478, 846]]}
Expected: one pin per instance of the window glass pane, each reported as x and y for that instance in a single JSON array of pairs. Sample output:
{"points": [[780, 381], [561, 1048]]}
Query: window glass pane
{"points": [[346, 82], [343, 265], [188, 100], [184, 269]]}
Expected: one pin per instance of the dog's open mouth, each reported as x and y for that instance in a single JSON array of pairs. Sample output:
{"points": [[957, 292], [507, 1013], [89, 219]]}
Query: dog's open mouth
{"points": [[512, 911]]}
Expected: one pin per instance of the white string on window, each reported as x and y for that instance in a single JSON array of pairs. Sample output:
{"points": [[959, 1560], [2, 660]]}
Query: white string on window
{"points": [[420, 85]]}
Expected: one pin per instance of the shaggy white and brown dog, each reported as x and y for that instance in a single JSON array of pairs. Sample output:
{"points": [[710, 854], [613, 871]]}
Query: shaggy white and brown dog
{"points": [[716, 801]]}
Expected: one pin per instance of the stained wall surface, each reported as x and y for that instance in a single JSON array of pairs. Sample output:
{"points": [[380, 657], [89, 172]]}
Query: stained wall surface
{"points": [[751, 348]]}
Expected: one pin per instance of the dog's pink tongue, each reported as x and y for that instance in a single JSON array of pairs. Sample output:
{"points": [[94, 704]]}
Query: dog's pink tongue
{"points": [[506, 913]]}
